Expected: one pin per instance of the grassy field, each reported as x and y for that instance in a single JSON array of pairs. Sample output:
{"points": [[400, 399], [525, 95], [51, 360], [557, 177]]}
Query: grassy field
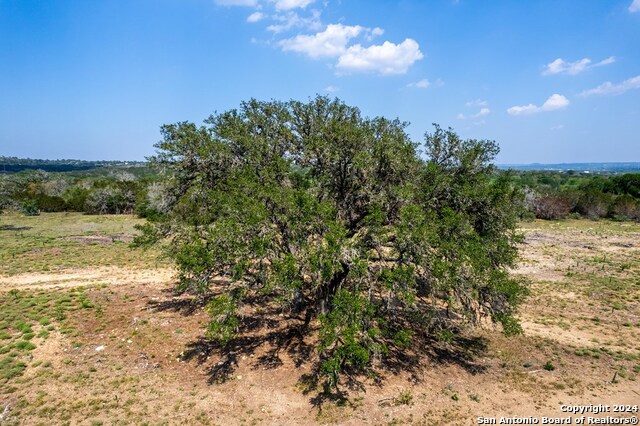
{"points": [[90, 334], [57, 241]]}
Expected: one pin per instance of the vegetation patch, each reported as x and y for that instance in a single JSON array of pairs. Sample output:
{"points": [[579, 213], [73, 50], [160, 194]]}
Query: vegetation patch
{"points": [[23, 318]]}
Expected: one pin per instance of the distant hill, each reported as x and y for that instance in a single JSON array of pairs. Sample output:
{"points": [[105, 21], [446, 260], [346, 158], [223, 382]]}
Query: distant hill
{"points": [[605, 168]]}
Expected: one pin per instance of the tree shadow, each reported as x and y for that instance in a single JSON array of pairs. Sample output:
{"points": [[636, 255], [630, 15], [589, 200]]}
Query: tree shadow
{"points": [[266, 334], [338, 397], [263, 338], [14, 228], [180, 302], [185, 306], [462, 351]]}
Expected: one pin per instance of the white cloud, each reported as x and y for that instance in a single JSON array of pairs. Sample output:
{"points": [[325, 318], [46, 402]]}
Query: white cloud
{"points": [[635, 6], [293, 20], [251, 3], [255, 17], [609, 88], [331, 89], [387, 58], [523, 110], [609, 60], [476, 103], [422, 84], [331, 42], [560, 66], [377, 31], [554, 102], [484, 111], [557, 127], [292, 4]]}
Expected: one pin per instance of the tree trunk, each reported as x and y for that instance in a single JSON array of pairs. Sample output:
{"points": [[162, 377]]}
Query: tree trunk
{"points": [[329, 290]]}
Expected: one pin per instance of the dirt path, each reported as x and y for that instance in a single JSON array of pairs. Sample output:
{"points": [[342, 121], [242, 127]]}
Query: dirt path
{"points": [[69, 278]]}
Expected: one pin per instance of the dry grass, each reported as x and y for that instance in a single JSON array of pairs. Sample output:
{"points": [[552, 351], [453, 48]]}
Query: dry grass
{"points": [[112, 346]]}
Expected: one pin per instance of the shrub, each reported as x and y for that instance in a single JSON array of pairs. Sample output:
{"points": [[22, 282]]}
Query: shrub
{"points": [[50, 203], [594, 204], [625, 207], [117, 199], [551, 207], [30, 208], [154, 200], [76, 198]]}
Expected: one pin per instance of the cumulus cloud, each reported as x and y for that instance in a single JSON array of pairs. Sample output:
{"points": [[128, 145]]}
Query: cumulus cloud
{"points": [[334, 40], [331, 89], [387, 58], [554, 102], [255, 17], [422, 84], [609, 88], [635, 6], [560, 66], [331, 42], [292, 4], [250, 3]]}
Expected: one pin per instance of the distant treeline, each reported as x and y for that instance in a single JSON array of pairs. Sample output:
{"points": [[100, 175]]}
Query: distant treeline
{"points": [[598, 168], [557, 195], [111, 190], [112, 187], [14, 164]]}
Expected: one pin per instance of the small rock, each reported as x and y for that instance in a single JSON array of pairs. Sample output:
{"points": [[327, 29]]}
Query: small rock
{"points": [[100, 348]]}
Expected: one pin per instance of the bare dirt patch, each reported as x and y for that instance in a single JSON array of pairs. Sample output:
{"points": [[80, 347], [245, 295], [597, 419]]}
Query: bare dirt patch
{"points": [[99, 239], [112, 276]]}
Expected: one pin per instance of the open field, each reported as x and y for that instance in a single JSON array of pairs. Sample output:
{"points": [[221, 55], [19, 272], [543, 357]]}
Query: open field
{"points": [[90, 333]]}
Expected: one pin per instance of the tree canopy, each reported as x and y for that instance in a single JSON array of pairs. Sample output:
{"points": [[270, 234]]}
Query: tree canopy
{"points": [[371, 239]]}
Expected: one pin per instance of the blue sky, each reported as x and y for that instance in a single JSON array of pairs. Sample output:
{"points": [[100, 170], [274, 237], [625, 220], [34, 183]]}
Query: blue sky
{"points": [[550, 81]]}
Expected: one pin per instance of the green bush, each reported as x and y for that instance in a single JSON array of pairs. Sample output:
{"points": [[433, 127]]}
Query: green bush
{"points": [[48, 203], [30, 208]]}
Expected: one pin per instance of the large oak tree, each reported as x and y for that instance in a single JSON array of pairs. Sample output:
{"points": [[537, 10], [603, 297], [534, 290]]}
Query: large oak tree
{"points": [[369, 238]]}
